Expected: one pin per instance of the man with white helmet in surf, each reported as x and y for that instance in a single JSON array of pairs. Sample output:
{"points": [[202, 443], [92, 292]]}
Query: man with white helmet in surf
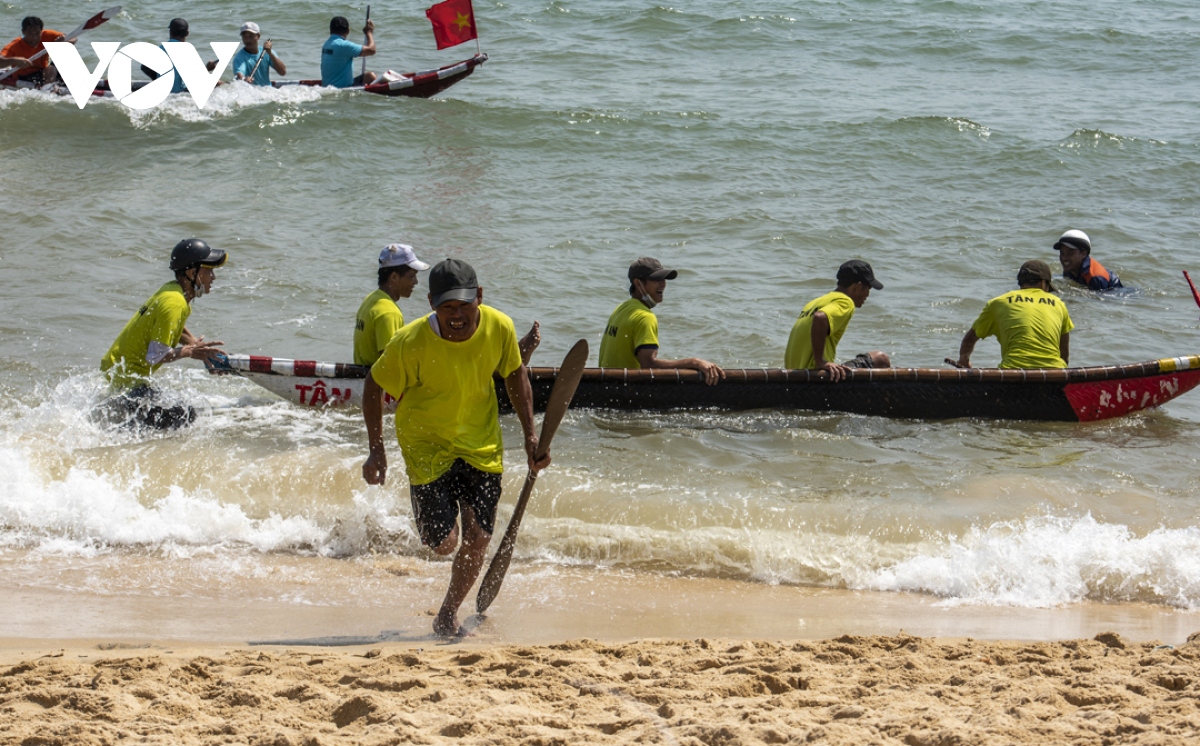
{"points": [[1075, 255], [156, 335]]}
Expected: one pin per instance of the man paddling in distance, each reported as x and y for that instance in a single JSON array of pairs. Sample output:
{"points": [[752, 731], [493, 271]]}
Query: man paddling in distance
{"points": [[248, 60], [1032, 325], [156, 335], [379, 318], [440, 367], [813, 342], [17, 52], [630, 338], [338, 54]]}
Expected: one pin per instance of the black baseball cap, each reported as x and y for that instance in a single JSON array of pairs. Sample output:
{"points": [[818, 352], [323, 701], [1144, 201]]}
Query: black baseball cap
{"points": [[856, 270], [452, 279], [648, 268]]}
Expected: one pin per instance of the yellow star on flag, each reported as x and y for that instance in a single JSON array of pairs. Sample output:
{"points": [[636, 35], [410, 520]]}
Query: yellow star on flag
{"points": [[463, 21]]}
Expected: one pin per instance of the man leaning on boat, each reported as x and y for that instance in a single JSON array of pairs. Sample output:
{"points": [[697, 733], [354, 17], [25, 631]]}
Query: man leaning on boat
{"points": [[1032, 325], [812, 345], [630, 338]]}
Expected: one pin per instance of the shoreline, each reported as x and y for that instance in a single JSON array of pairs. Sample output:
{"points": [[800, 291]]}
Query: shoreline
{"points": [[539, 606]]}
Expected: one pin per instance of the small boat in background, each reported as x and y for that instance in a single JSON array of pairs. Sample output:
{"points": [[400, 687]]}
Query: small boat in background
{"points": [[421, 84], [1064, 395]]}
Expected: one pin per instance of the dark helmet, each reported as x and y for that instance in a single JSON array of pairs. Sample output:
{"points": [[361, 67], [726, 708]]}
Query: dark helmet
{"points": [[192, 252]]}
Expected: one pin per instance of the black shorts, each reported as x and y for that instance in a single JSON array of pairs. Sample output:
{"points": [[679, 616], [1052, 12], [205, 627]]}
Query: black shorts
{"points": [[862, 360], [436, 505], [144, 406]]}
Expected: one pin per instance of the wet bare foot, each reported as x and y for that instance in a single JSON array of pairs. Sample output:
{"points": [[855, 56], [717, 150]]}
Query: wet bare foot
{"points": [[449, 627], [530, 342]]}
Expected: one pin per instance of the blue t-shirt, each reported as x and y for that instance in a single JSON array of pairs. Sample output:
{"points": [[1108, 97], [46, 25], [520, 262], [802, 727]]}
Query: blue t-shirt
{"points": [[337, 61], [244, 62], [179, 87]]}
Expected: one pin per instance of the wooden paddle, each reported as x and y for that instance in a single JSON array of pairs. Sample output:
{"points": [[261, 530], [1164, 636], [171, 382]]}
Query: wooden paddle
{"points": [[565, 384], [363, 72], [90, 23]]}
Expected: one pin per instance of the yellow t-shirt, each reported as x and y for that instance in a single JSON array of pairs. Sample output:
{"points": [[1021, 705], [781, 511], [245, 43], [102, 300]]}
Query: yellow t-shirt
{"points": [[1029, 324], [378, 320], [161, 320], [631, 325], [448, 408], [839, 309]]}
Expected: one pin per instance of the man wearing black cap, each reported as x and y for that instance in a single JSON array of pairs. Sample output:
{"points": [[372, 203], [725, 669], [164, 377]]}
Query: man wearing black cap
{"points": [[440, 367], [156, 335], [631, 337], [1032, 325], [812, 345]]}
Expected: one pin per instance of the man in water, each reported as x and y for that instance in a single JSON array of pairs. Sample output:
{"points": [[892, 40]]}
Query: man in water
{"points": [[379, 318], [812, 345], [17, 52], [249, 60], [630, 338], [156, 335], [440, 367], [338, 54], [1075, 254], [1032, 325]]}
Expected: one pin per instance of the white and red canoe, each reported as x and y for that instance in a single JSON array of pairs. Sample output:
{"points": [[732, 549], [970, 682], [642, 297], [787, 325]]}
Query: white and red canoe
{"points": [[1065, 395]]}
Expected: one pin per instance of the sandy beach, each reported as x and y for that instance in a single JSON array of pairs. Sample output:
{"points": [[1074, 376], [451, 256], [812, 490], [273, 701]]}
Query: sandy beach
{"points": [[605, 658], [848, 690]]}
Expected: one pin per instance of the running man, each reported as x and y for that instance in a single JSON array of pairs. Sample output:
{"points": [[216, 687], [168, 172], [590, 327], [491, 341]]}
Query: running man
{"points": [[813, 341], [630, 338], [440, 367]]}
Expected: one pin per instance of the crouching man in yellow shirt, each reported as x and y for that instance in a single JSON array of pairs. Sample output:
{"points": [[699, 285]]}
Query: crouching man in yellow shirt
{"points": [[440, 367], [1032, 325]]}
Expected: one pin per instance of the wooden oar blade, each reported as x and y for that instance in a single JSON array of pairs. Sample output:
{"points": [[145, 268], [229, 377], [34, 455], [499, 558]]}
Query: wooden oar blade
{"points": [[100, 18], [565, 384]]}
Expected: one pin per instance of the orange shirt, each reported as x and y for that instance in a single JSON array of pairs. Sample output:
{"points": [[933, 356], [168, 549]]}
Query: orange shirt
{"points": [[18, 48]]}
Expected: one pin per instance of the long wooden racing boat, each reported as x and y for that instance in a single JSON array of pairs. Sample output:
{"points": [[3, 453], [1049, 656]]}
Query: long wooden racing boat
{"points": [[1067, 395], [422, 84]]}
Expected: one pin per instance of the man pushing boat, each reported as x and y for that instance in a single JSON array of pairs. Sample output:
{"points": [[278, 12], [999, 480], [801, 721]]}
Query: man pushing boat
{"points": [[440, 367], [156, 335], [813, 341], [630, 338]]}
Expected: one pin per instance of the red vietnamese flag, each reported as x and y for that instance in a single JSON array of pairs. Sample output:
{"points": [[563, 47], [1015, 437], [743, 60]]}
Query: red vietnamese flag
{"points": [[453, 22]]}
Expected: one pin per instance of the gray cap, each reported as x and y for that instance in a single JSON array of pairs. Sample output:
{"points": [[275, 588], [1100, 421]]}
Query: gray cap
{"points": [[452, 279]]}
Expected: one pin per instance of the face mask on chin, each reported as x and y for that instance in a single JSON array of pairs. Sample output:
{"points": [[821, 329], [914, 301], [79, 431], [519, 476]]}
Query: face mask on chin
{"points": [[646, 298], [197, 287]]}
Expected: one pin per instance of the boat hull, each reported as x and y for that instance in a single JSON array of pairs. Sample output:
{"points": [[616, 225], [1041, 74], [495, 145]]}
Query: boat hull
{"points": [[421, 84], [1068, 395]]}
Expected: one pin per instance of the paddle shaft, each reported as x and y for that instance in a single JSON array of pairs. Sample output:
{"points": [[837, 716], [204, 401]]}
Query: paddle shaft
{"points": [[560, 398], [363, 72], [90, 23], [1195, 295], [261, 55]]}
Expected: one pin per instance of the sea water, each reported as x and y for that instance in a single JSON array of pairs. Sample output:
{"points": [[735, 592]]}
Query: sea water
{"points": [[754, 147]]}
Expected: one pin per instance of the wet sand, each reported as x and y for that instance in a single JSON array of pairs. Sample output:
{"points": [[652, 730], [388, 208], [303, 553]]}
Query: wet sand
{"points": [[671, 661]]}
